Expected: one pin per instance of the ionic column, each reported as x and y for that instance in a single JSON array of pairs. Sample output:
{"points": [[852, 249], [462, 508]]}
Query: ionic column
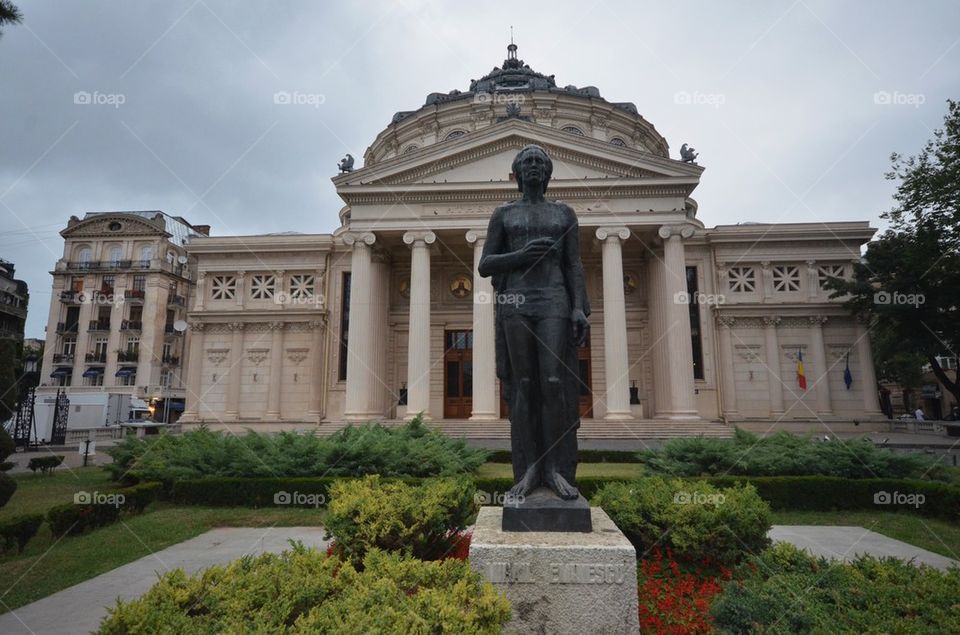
{"points": [[820, 361], [194, 372], [871, 402], [771, 349], [418, 347], [232, 408], [485, 406], [616, 367], [679, 342], [728, 380], [276, 370], [656, 301], [359, 344]]}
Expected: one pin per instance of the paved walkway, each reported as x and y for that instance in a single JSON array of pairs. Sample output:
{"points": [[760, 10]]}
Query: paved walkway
{"points": [[848, 542], [80, 608]]}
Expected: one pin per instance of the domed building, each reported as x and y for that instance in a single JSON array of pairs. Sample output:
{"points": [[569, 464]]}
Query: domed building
{"points": [[692, 328]]}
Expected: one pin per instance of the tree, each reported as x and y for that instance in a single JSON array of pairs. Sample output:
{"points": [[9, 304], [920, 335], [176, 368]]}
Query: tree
{"points": [[908, 282], [9, 14]]}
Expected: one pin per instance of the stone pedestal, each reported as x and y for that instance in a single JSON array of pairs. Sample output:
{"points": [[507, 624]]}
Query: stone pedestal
{"points": [[544, 511], [559, 582]]}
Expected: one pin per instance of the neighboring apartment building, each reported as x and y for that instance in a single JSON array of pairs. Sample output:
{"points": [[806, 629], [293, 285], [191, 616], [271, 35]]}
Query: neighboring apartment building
{"points": [[119, 292], [13, 302]]}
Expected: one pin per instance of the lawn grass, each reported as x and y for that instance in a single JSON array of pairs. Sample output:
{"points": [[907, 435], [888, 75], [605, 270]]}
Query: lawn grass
{"points": [[931, 534], [47, 566], [605, 470], [36, 493]]}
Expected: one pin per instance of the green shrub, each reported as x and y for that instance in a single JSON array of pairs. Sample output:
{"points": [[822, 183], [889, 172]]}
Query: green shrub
{"points": [[18, 531], [696, 520], [409, 450], [583, 456], [304, 591], [6, 466], [390, 515], [137, 498], [7, 446], [86, 513], [785, 454], [7, 487], [246, 492], [784, 590], [45, 464]]}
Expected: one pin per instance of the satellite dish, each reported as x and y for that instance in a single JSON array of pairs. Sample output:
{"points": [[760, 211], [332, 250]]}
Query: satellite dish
{"points": [[180, 326], [182, 260]]}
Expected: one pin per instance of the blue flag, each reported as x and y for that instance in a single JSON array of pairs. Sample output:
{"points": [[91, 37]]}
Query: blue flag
{"points": [[847, 375]]}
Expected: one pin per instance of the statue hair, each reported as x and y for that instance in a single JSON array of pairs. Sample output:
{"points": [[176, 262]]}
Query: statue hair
{"points": [[516, 165]]}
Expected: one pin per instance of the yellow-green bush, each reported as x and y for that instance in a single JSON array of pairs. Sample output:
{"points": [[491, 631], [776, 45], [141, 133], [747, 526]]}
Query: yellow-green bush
{"points": [[304, 591], [390, 515]]}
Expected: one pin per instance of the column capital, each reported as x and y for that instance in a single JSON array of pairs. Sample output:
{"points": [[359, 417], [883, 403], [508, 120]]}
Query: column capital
{"points": [[367, 238], [603, 233], [236, 326], [197, 326], [818, 320], [419, 238], [771, 320], [476, 235], [727, 320], [275, 326], [681, 231]]}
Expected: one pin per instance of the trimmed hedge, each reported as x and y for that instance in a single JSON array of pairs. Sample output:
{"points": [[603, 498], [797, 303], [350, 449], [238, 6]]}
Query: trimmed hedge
{"points": [[18, 531], [45, 464], [7, 487], [305, 591], [246, 492], [76, 518]]}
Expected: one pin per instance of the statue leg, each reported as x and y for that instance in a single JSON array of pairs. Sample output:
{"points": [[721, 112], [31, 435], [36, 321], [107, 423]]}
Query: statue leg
{"points": [[522, 350], [553, 335]]}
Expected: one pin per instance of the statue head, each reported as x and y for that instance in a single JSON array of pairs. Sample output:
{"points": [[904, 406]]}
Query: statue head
{"points": [[535, 172]]}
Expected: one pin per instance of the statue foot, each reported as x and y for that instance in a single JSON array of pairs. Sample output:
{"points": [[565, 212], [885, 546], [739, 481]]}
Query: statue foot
{"points": [[560, 486], [529, 482]]}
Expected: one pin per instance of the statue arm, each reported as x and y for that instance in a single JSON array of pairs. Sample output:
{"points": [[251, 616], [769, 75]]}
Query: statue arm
{"points": [[493, 261], [573, 265]]}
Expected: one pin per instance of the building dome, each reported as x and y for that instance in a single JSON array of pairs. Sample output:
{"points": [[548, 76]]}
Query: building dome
{"points": [[515, 90]]}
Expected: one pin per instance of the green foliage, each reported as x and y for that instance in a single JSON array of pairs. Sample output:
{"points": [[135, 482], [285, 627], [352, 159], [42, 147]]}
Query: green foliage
{"points": [[409, 450], [137, 498], [7, 446], [7, 487], [421, 521], [9, 362], [78, 517], [785, 454], [45, 464], [583, 456], [304, 591], [245, 492], [696, 520], [18, 531], [784, 590]]}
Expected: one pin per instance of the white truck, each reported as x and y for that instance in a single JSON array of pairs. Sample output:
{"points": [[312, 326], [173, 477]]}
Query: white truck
{"points": [[89, 411]]}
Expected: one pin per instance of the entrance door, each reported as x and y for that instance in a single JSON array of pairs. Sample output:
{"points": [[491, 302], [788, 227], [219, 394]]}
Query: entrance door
{"points": [[585, 383], [458, 374]]}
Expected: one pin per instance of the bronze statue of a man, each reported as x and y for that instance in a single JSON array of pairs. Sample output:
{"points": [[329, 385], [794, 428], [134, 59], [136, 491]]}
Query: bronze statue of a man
{"points": [[532, 251]]}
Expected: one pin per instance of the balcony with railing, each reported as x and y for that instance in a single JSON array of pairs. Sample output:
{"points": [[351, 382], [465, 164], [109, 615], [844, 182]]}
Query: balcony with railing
{"points": [[176, 300], [96, 358], [99, 325], [63, 358], [67, 327], [170, 331], [128, 356], [71, 297], [131, 325], [126, 265], [133, 295], [171, 360]]}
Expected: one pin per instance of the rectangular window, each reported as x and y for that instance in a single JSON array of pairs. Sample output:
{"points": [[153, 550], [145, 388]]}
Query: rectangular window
{"points": [[69, 345], [166, 378], [129, 380], [301, 286], [223, 288], [100, 348], [139, 282], [136, 313], [95, 379], [742, 279], [826, 272], [133, 345], [344, 327], [76, 284], [693, 293], [786, 278], [108, 283], [262, 287]]}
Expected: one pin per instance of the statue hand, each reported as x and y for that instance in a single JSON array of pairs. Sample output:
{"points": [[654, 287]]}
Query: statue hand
{"points": [[537, 249], [578, 320]]}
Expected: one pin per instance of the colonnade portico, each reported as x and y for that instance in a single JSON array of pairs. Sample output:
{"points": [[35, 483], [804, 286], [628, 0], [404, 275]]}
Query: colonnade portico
{"points": [[673, 377]]}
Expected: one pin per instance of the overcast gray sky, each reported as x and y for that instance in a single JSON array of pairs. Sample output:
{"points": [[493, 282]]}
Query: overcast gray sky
{"points": [[784, 106]]}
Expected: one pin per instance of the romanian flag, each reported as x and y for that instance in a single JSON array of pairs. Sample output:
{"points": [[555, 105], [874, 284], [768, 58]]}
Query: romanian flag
{"points": [[801, 377], [847, 375]]}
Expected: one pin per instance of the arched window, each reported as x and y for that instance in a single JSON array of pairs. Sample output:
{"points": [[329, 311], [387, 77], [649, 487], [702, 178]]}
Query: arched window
{"points": [[617, 141], [116, 255], [84, 255], [146, 254], [572, 130], [454, 134]]}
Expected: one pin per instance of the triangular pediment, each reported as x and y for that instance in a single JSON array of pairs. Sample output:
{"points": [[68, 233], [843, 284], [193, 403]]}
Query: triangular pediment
{"points": [[486, 156], [118, 224]]}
